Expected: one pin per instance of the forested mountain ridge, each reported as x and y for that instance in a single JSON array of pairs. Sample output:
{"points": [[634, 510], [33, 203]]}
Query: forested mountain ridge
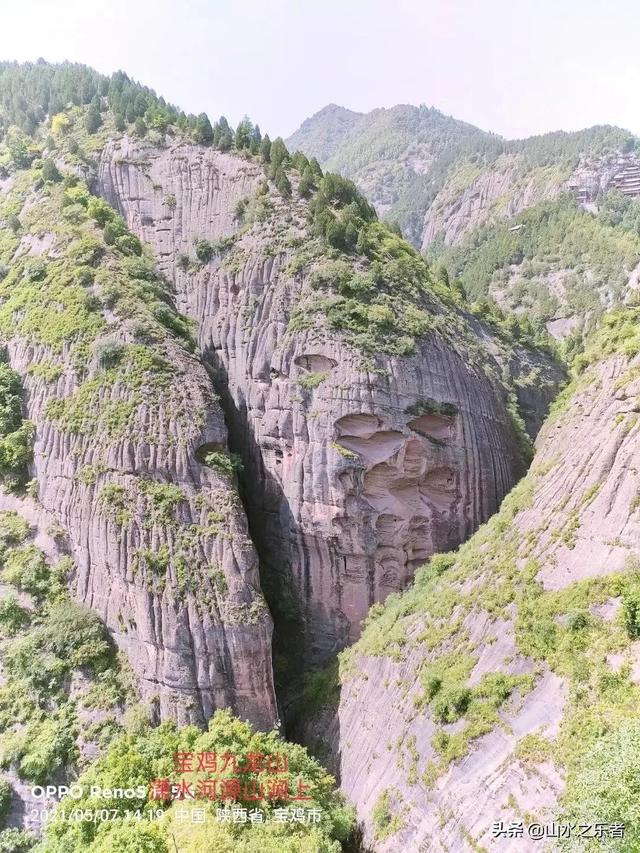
{"points": [[324, 132], [546, 226], [413, 163], [397, 156], [238, 399]]}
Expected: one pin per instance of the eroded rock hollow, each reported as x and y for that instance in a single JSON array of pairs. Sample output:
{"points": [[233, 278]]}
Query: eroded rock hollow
{"points": [[356, 473]]}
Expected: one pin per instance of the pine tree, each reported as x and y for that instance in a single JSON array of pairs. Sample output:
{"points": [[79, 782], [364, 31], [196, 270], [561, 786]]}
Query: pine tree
{"points": [[203, 131], [350, 235], [265, 149], [222, 131], [315, 168], [226, 141], [140, 104], [282, 182], [140, 127], [279, 152], [299, 161], [307, 183], [243, 134], [50, 171], [92, 120], [256, 139]]}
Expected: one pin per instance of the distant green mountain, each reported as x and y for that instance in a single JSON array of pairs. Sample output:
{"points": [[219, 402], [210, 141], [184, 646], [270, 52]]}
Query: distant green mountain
{"points": [[548, 225], [394, 155], [326, 131]]}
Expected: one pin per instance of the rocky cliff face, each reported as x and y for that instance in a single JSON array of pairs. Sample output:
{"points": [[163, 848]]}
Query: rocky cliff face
{"points": [[355, 471], [482, 695], [441, 178], [193, 653], [472, 195], [159, 540]]}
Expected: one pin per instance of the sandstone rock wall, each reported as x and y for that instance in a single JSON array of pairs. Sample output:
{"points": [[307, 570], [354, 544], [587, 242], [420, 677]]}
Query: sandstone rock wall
{"points": [[351, 484], [174, 575], [192, 651], [579, 521]]}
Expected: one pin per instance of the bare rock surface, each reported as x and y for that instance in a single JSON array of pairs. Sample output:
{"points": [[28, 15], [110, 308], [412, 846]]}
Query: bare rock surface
{"points": [[576, 520], [352, 483]]}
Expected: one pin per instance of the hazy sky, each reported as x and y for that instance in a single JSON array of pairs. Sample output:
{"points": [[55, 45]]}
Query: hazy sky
{"points": [[517, 68]]}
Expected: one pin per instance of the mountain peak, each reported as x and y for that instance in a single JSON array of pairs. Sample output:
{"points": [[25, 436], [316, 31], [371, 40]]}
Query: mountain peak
{"points": [[322, 133]]}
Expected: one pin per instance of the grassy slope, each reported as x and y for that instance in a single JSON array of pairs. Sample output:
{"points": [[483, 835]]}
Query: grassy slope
{"points": [[598, 745]]}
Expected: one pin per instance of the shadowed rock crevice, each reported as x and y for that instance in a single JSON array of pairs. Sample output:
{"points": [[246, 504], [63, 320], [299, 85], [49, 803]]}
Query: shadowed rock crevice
{"points": [[344, 496], [269, 521]]}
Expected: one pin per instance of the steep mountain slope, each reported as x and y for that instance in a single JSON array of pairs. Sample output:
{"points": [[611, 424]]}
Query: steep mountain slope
{"points": [[396, 156], [441, 177], [326, 416], [64, 690], [546, 226], [357, 467], [518, 174], [325, 132], [503, 685], [121, 408], [555, 262]]}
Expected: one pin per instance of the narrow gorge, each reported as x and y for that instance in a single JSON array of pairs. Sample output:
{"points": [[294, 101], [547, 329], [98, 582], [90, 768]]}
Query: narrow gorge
{"points": [[357, 469], [277, 482]]}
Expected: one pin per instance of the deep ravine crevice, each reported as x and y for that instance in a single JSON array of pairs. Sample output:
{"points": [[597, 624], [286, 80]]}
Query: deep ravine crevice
{"points": [[263, 501]]}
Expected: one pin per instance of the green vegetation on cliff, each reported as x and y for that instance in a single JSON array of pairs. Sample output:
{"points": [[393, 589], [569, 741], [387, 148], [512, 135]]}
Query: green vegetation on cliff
{"points": [[141, 758], [64, 686], [375, 288], [403, 157], [494, 581], [589, 256], [16, 435]]}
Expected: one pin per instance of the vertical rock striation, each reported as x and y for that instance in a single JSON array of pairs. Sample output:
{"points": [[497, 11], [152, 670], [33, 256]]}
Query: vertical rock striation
{"points": [[356, 472], [159, 540], [193, 649], [535, 594]]}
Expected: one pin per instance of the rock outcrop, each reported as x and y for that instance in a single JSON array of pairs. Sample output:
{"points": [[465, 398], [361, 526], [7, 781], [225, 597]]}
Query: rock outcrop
{"points": [[356, 471], [425, 747], [509, 185], [472, 196], [121, 408]]}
